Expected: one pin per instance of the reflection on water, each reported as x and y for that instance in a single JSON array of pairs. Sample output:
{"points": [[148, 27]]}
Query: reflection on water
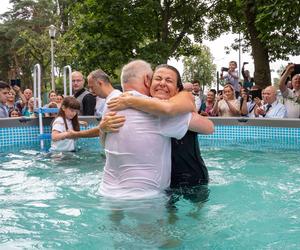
{"points": [[52, 202]]}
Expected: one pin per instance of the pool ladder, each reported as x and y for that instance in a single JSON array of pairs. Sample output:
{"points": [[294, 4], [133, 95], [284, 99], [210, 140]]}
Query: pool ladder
{"points": [[37, 96]]}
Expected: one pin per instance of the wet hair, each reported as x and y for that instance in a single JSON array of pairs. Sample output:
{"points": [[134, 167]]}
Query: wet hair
{"points": [[99, 74], [72, 103], [4, 85], [167, 66], [134, 70]]}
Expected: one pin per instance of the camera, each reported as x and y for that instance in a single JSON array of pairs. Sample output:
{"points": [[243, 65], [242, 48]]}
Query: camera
{"points": [[256, 93], [224, 69]]}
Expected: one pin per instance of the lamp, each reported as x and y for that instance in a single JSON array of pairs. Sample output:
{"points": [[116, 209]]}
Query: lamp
{"points": [[52, 32]]}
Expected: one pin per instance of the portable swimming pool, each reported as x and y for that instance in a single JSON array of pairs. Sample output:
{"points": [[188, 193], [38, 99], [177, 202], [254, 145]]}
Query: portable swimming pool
{"points": [[252, 201]]}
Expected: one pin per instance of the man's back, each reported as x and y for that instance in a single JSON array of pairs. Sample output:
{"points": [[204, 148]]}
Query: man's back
{"points": [[138, 157]]}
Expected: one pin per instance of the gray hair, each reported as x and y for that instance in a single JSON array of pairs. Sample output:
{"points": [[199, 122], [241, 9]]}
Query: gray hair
{"points": [[135, 70], [99, 74]]}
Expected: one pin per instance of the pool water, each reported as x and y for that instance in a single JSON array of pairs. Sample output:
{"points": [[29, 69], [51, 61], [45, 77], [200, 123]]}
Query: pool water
{"points": [[49, 202]]}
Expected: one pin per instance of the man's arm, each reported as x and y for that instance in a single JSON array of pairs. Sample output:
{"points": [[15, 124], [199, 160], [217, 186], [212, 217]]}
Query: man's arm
{"points": [[201, 124], [181, 103], [288, 70], [111, 122]]}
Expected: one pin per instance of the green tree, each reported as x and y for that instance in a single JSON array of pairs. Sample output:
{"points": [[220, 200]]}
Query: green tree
{"points": [[25, 28], [200, 66], [270, 29], [108, 33]]}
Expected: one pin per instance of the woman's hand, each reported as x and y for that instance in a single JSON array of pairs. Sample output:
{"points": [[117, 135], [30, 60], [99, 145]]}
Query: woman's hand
{"points": [[120, 103], [111, 122], [258, 102]]}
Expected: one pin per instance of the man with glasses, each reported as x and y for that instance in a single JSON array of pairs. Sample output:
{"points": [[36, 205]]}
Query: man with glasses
{"points": [[86, 99]]}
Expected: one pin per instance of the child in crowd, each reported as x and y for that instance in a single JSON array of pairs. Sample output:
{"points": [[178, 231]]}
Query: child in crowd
{"points": [[67, 119], [51, 105], [15, 113]]}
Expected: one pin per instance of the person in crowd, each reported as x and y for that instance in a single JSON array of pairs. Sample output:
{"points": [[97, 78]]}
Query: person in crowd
{"points": [[291, 96], [52, 105], [52, 98], [67, 119], [15, 113], [248, 81], [244, 100], [270, 108], [59, 100], [231, 76], [227, 105], [188, 168], [22, 103], [190, 87], [197, 91], [4, 92], [28, 110], [11, 100], [86, 99], [207, 106], [20, 98], [255, 99]]}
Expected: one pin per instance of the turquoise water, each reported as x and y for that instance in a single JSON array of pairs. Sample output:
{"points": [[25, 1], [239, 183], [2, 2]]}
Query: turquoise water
{"points": [[53, 203]]}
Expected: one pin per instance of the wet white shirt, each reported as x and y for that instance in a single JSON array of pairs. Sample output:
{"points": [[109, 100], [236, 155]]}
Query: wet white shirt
{"points": [[62, 145], [138, 157]]}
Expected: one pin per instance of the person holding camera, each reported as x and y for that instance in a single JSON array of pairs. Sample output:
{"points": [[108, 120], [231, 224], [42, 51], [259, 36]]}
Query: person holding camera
{"points": [[291, 97], [231, 75], [248, 81]]}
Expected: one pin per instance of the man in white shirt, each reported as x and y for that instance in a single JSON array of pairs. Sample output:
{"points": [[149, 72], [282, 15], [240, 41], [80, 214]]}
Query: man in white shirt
{"points": [[138, 157], [291, 96], [271, 108]]}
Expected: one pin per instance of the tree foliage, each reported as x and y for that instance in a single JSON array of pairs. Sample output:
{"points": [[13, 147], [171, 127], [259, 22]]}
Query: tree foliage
{"points": [[109, 33], [200, 66], [270, 30], [25, 30]]}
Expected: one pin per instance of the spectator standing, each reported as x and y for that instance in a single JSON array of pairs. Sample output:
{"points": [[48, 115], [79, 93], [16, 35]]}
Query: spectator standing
{"points": [[190, 87], [15, 113], [271, 107], [11, 103], [248, 81], [29, 110], [231, 76], [207, 106], [4, 92], [59, 100], [86, 99], [227, 105], [291, 97], [23, 103]]}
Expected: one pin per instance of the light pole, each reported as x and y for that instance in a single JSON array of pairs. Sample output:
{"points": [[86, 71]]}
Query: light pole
{"points": [[52, 32]]}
